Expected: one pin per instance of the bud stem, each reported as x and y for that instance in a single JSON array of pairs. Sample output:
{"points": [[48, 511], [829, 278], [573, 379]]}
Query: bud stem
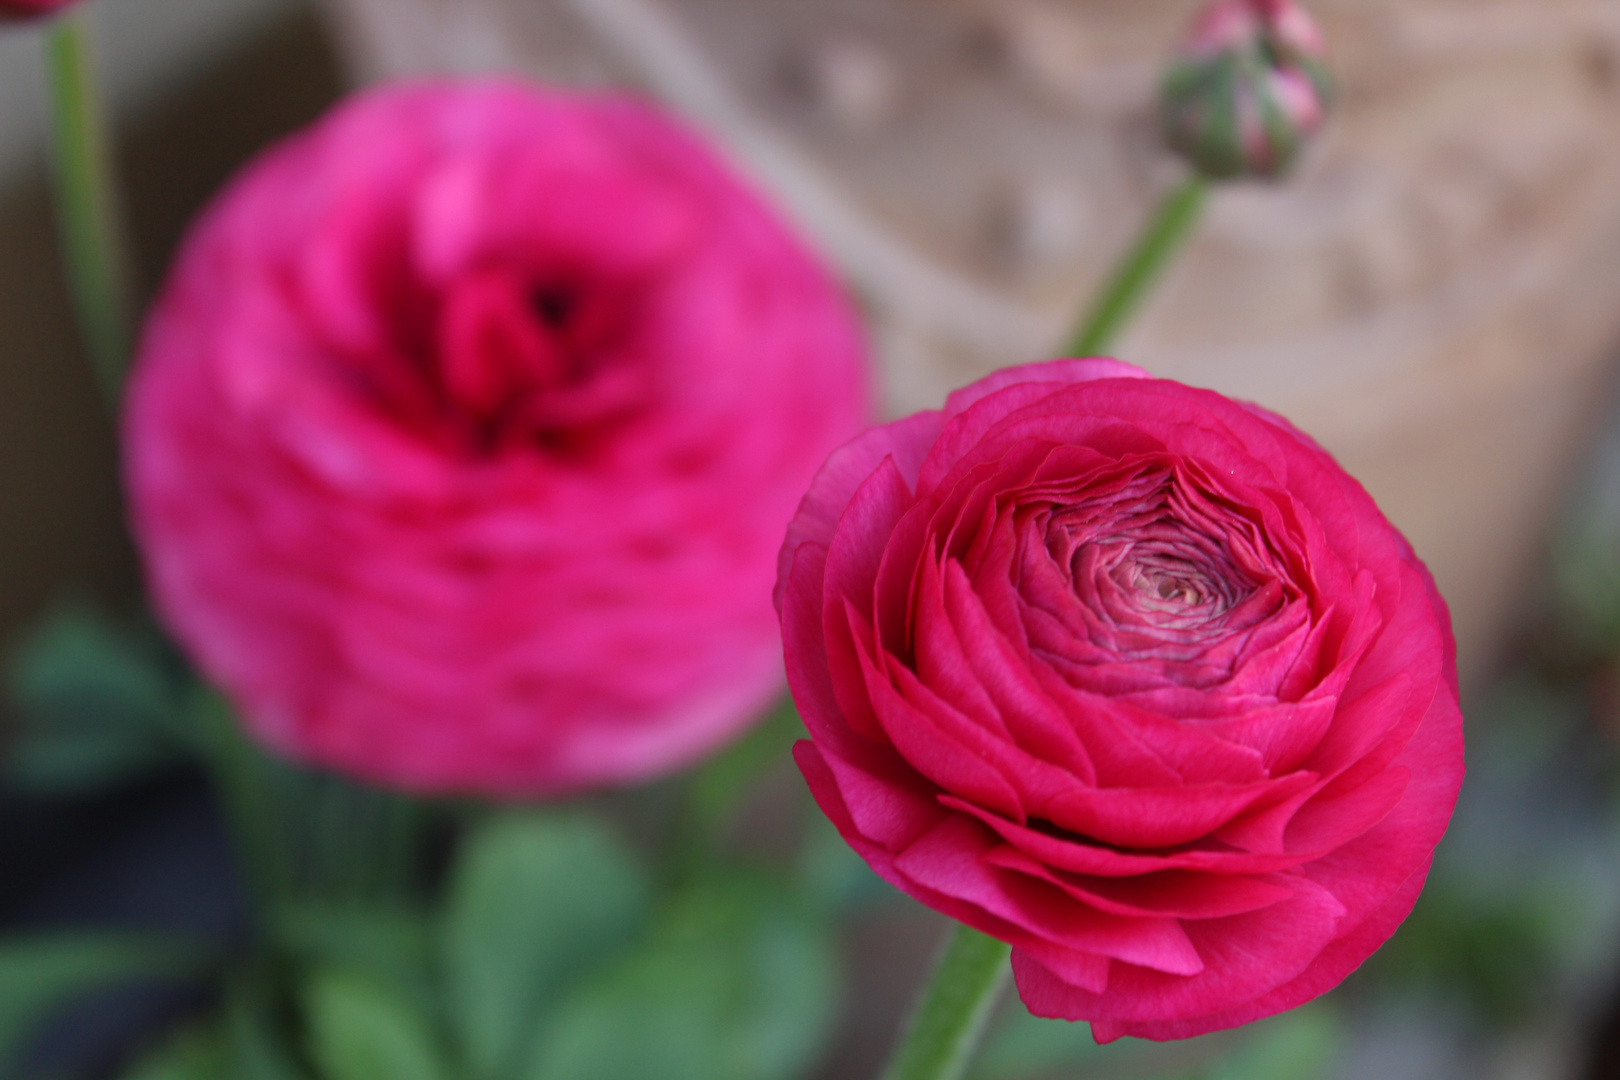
{"points": [[949, 1019], [1153, 251], [87, 207]]}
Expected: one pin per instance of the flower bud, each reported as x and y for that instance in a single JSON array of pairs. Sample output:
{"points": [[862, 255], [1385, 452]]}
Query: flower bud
{"points": [[1248, 90]]}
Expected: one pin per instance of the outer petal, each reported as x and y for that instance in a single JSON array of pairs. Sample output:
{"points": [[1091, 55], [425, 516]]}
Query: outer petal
{"points": [[905, 441], [1048, 371]]}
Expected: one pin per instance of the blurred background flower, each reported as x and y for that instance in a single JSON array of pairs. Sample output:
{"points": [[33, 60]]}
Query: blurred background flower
{"points": [[461, 439]]}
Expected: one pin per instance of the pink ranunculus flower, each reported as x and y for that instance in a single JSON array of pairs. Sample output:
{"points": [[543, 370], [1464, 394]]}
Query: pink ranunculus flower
{"points": [[1131, 676], [463, 434], [29, 9]]}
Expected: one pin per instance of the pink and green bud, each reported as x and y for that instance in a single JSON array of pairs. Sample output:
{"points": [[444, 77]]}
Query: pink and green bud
{"points": [[1249, 89]]}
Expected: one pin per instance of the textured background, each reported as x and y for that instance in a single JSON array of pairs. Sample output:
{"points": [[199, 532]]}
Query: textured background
{"points": [[1436, 297]]}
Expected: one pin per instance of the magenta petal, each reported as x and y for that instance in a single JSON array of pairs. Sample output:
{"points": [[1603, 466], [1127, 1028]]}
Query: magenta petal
{"points": [[950, 763], [1034, 781], [805, 649], [1264, 832], [1337, 960], [1081, 857], [1162, 817], [941, 657], [463, 433], [1166, 893], [887, 809], [1244, 956], [847, 583], [1050, 371], [950, 860], [1332, 819], [1029, 716], [1116, 749], [904, 441]]}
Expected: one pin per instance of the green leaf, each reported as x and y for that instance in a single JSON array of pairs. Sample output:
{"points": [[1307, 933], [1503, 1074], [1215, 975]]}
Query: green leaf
{"points": [[303, 832], [359, 1029], [74, 763], [391, 945], [97, 702], [1495, 950], [535, 901], [1300, 1043], [787, 982], [194, 1054], [1025, 1047], [652, 1015], [737, 982], [41, 974], [1292, 1046], [257, 1040]]}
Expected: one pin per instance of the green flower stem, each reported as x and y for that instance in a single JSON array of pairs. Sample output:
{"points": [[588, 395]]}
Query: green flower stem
{"points": [[251, 792], [87, 206], [303, 833], [1157, 245], [950, 1016]]}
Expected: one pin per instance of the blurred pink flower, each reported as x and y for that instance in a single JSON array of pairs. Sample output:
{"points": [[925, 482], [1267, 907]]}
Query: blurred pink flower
{"points": [[464, 432], [1132, 677]]}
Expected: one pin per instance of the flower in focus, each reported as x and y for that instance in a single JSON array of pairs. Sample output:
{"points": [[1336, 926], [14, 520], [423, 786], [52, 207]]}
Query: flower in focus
{"points": [[1132, 677], [29, 9], [1249, 89], [462, 437]]}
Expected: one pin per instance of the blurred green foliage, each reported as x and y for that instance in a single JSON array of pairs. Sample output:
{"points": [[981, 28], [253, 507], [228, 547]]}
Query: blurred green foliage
{"points": [[1299, 1045], [1494, 954], [547, 936], [97, 703], [529, 956], [362, 1028], [535, 903], [41, 972]]}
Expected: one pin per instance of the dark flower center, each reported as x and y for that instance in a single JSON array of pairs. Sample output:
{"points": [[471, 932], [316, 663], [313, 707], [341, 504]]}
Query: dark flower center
{"points": [[534, 363], [503, 359]]}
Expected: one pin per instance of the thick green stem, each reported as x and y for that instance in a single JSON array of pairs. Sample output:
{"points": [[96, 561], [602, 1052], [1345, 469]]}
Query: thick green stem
{"points": [[950, 1016], [1157, 245], [303, 834], [87, 206], [249, 790]]}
